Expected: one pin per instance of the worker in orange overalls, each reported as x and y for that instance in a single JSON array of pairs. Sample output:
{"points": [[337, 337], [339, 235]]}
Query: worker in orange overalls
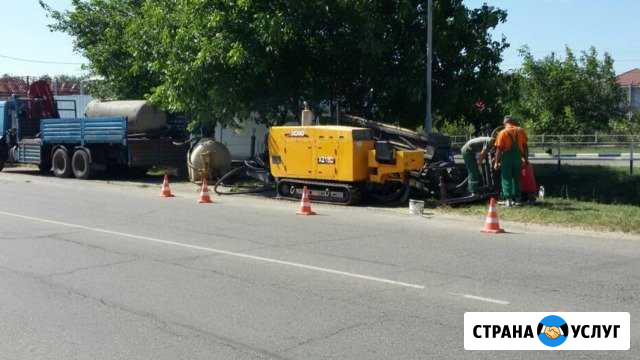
{"points": [[511, 151]]}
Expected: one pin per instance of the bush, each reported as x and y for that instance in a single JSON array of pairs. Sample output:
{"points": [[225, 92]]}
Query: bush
{"points": [[625, 126], [456, 128]]}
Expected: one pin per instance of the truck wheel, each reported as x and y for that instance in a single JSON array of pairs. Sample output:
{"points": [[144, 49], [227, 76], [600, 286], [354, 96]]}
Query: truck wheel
{"points": [[1, 165], [61, 163], [81, 164]]}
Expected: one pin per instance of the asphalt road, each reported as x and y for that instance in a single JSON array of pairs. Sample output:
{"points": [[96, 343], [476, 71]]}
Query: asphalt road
{"points": [[98, 270]]}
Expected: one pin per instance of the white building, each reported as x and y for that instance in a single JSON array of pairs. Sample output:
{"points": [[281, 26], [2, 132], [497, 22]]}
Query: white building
{"points": [[630, 82]]}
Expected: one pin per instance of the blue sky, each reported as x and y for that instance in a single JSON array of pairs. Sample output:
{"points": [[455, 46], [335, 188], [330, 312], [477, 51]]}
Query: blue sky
{"points": [[548, 25], [544, 25], [25, 35]]}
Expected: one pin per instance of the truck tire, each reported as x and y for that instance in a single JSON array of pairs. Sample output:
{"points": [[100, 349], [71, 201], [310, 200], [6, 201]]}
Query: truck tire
{"points": [[1, 165], [81, 164], [61, 163]]}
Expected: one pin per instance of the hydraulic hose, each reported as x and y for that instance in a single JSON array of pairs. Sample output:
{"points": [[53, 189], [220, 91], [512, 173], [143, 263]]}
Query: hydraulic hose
{"points": [[248, 165]]}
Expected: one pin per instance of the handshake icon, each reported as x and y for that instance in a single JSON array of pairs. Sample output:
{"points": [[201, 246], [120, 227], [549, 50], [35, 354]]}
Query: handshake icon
{"points": [[552, 332]]}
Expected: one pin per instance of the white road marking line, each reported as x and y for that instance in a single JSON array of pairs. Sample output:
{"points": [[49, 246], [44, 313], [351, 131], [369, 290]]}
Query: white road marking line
{"points": [[480, 298], [218, 251], [495, 301]]}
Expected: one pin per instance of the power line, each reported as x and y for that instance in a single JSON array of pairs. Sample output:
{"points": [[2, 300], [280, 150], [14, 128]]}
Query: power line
{"points": [[39, 61]]}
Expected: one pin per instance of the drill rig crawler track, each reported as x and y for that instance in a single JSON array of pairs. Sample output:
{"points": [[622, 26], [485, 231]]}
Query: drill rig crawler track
{"points": [[324, 192]]}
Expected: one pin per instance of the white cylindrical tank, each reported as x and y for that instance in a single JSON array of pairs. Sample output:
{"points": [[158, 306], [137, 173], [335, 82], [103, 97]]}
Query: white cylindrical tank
{"points": [[142, 116], [219, 159]]}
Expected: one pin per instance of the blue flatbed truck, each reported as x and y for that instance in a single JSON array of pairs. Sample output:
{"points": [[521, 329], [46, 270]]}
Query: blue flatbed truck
{"points": [[80, 146]]}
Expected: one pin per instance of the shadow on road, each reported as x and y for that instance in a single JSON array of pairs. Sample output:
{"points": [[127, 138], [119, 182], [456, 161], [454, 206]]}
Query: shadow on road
{"points": [[124, 176], [154, 178]]}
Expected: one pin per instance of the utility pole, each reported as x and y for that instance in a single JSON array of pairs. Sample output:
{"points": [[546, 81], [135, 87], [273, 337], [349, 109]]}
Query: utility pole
{"points": [[428, 121], [630, 101]]}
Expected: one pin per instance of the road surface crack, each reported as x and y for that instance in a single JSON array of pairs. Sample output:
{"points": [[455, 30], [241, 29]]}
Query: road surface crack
{"points": [[331, 334], [278, 286], [58, 237], [161, 324], [70, 272]]}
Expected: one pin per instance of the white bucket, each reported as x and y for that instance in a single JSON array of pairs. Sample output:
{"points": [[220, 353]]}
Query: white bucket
{"points": [[416, 207]]}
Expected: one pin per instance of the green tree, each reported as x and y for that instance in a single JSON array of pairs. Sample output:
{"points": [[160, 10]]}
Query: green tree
{"points": [[101, 32], [222, 59], [570, 95]]}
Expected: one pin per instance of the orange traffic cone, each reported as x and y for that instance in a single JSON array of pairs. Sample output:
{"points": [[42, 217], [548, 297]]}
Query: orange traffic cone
{"points": [[204, 193], [305, 203], [166, 191], [492, 224]]}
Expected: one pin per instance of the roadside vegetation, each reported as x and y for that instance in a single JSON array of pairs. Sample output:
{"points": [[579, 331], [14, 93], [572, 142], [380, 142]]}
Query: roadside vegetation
{"points": [[588, 197], [566, 213], [599, 184]]}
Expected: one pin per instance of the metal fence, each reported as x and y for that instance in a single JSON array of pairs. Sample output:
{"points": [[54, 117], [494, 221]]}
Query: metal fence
{"points": [[567, 140], [558, 148]]}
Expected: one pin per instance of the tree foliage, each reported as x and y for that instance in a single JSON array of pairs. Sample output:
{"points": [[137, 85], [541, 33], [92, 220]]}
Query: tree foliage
{"points": [[222, 59], [567, 96], [101, 32]]}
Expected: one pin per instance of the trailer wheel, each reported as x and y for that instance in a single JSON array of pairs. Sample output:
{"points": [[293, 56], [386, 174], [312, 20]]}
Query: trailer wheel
{"points": [[81, 164], [61, 163]]}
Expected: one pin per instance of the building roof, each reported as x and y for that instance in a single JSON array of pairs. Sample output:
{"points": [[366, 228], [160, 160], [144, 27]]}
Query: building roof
{"points": [[631, 77]]}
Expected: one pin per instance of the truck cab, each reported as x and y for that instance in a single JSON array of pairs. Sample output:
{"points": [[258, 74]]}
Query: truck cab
{"points": [[20, 128], [4, 126]]}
